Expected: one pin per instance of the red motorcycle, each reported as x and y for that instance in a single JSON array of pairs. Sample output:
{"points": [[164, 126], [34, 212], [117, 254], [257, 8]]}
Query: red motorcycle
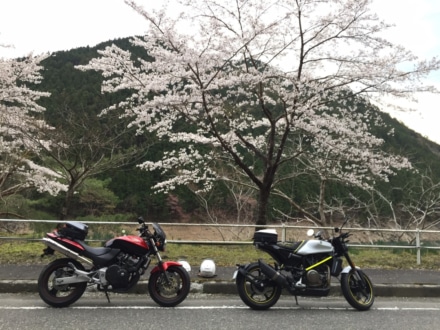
{"points": [[116, 267]]}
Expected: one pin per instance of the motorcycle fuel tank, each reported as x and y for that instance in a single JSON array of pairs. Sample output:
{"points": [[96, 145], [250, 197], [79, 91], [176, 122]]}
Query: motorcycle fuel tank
{"points": [[130, 244], [314, 246]]}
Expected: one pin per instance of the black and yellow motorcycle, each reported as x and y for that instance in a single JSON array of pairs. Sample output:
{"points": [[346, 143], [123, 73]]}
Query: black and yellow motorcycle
{"points": [[302, 268]]}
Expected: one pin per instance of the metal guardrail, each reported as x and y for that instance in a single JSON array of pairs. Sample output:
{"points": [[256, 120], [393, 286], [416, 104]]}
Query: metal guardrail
{"points": [[284, 229]]}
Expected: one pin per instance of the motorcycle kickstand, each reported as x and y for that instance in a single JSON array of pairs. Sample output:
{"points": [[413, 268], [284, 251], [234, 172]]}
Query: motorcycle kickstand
{"points": [[106, 295], [105, 291]]}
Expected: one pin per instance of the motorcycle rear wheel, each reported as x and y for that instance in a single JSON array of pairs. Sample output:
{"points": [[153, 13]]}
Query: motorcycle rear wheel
{"points": [[170, 289], [358, 295], [60, 295], [257, 297]]}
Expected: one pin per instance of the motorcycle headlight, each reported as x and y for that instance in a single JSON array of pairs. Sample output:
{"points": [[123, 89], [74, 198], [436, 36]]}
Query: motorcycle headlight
{"points": [[160, 244]]}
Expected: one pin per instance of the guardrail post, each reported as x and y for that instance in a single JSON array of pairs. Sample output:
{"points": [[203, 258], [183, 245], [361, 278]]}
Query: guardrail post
{"points": [[418, 247], [283, 232]]}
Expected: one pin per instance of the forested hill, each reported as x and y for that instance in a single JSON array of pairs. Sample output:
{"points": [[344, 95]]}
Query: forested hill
{"points": [[80, 92]]}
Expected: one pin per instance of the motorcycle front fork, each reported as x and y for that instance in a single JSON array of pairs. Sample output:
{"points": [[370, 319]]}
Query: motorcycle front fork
{"points": [[359, 278]]}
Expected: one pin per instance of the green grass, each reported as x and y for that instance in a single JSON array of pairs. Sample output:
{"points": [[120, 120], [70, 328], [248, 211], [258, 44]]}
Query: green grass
{"points": [[224, 255], [395, 258], [22, 252], [18, 252]]}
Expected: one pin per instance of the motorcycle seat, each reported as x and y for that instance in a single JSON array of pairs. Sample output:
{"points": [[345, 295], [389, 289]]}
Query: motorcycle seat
{"points": [[293, 246], [99, 255], [97, 251]]}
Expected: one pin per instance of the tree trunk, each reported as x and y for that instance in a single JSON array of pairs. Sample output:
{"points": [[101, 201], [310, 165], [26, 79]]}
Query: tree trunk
{"points": [[321, 201], [263, 202], [65, 209]]}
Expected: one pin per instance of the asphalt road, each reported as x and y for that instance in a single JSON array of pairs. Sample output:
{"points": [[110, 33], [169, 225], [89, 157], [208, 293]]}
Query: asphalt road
{"points": [[397, 282], [27, 311], [379, 276]]}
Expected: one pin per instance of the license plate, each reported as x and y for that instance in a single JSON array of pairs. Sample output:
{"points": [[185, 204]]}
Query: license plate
{"points": [[235, 274]]}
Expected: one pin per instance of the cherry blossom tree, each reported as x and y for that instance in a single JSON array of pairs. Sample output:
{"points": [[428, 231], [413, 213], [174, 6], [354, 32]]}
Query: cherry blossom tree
{"points": [[260, 83], [94, 147], [21, 128]]}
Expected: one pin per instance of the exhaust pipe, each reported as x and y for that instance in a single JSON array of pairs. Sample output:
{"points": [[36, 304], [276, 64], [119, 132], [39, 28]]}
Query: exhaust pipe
{"points": [[273, 274], [62, 249]]}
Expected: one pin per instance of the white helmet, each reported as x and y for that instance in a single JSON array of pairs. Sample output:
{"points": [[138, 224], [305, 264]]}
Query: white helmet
{"points": [[207, 268], [185, 265]]}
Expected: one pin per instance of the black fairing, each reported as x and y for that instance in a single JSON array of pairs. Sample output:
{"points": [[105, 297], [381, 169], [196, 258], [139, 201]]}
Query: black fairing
{"points": [[159, 236], [282, 253]]}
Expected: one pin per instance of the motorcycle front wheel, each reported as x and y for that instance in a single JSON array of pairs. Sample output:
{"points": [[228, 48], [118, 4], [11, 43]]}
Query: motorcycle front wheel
{"points": [[357, 289], [256, 290], [60, 295], [169, 288]]}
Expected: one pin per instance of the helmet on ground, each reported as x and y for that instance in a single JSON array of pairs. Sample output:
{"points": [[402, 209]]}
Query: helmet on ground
{"points": [[207, 268], [185, 265]]}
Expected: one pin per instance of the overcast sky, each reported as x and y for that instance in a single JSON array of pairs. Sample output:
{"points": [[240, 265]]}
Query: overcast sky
{"points": [[41, 26]]}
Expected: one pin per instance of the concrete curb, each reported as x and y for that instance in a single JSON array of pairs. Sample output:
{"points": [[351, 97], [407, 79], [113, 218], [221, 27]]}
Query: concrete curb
{"points": [[380, 290], [228, 287], [18, 286], [407, 290]]}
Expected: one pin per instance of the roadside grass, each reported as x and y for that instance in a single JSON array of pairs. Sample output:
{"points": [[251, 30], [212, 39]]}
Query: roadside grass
{"points": [[25, 252]]}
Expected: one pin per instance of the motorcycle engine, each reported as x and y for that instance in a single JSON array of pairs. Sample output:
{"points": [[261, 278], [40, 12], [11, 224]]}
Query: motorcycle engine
{"points": [[320, 277], [117, 276], [123, 274], [313, 278]]}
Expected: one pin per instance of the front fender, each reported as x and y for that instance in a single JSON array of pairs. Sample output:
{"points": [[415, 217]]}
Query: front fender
{"points": [[164, 266], [348, 269]]}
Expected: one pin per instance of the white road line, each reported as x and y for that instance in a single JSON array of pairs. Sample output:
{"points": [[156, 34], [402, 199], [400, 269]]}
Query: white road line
{"points": [[397, 309]]}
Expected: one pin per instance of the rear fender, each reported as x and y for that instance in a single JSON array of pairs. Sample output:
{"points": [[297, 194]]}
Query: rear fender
{"points": [[164, 266], [57, 245], [243, 270], [68, 243]]}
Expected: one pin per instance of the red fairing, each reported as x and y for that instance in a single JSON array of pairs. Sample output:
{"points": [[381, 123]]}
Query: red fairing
{"points": [[165, 266], [65, 241], [133, 240], [130, 244]]}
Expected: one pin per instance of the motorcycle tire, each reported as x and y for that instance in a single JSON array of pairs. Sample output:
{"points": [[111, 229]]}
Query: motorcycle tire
{"points": [[257, 297], [170, 289], [60, 295], [358, 295]]}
